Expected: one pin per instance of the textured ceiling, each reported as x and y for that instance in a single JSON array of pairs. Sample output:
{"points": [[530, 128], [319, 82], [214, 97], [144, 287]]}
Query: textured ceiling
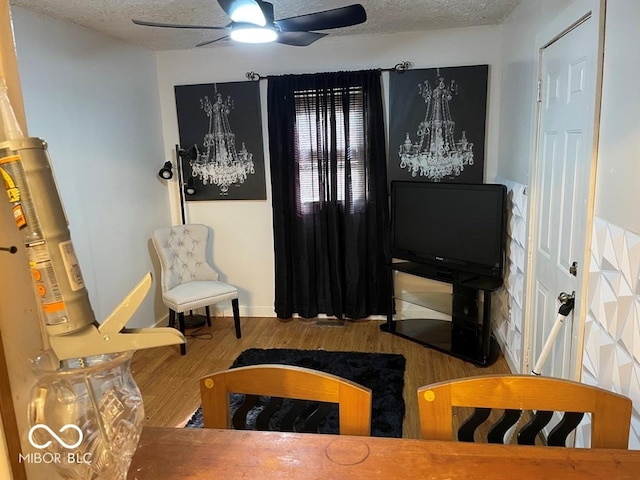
{"points": [[113, 17]]}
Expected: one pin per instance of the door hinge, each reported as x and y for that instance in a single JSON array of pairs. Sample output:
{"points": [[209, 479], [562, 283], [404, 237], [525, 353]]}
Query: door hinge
{"points": [[539, 93]]}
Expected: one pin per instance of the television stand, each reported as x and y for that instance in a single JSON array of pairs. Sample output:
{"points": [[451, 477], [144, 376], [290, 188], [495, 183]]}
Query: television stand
{"points": [[466, 277], [468, 334]]}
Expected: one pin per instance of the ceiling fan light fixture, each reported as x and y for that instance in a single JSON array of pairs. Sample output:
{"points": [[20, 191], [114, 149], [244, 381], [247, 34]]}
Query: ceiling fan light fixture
{"points": [[253, 34], [248, 12], [253, 21]]}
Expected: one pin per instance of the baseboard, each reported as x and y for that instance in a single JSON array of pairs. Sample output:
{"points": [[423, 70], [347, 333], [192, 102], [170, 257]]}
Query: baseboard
{"points": [[163, 321], [225, 310]]}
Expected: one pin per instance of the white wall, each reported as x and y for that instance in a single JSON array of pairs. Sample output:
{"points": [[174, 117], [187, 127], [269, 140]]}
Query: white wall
{"points": [[518, 85], [94, 100], [243, 248], [617, 192]]}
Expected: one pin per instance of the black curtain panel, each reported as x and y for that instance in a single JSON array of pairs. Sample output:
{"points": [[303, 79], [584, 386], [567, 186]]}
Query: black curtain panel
{"points": [[330, 204]]}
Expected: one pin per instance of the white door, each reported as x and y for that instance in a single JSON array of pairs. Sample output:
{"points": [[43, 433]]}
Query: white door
{"points": [[563, 170]]}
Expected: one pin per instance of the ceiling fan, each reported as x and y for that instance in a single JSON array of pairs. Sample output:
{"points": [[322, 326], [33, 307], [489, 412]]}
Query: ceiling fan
{"points": [[252, 21]]}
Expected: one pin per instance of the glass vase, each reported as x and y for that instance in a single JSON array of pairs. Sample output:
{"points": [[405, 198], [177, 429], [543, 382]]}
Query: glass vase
{"points": [[86, 417]]}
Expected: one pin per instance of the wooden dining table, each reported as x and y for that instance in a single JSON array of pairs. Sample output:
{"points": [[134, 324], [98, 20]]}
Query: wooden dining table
{"points": [[200, 453]]}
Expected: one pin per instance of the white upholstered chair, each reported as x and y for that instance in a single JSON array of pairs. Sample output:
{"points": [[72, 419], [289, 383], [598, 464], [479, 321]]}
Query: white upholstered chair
{"points": [[188, 281]]}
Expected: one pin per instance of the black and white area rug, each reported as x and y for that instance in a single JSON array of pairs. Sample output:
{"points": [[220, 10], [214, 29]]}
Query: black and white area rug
{"points": [[383, 373]]}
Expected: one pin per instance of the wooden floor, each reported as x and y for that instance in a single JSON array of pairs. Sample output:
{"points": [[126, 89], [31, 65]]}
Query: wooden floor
{"points": [[169, 381]]}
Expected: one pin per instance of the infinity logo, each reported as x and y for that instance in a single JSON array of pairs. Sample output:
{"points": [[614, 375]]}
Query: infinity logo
{"points": [[52, 433]]}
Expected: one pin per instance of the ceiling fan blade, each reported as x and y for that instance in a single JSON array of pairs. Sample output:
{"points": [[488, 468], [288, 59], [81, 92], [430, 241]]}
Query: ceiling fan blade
{"points": [[336, 18], [209, 42], [299, 39], [176, 25]]}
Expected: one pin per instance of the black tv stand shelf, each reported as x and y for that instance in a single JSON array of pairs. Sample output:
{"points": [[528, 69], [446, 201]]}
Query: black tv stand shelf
{"points": [[468, 334]]}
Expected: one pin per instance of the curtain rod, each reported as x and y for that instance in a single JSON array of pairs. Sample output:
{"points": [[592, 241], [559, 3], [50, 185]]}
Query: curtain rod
{"points": [[398, 68]]}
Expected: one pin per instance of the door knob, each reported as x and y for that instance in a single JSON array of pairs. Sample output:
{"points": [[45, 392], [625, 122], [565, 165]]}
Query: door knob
{"points": [[565, 298]]}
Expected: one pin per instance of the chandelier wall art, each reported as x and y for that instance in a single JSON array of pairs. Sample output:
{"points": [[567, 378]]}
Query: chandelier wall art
{"points": [[224, 121], [437, 123]]}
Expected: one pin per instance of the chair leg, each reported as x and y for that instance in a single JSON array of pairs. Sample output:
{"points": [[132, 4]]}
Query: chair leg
{"points": [[236, 317], [183, 346], [172, 318], [206, 309]]}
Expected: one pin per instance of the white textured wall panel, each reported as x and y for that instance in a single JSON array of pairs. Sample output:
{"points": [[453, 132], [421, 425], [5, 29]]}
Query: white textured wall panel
{"points": [[612, 328], [509, 300]]}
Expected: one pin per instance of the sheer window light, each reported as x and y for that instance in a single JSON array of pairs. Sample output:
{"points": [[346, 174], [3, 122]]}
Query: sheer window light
{"points": [[316, 142]]}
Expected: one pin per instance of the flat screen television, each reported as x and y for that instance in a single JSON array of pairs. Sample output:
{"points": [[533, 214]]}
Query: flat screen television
{"points": [[458, 229]]}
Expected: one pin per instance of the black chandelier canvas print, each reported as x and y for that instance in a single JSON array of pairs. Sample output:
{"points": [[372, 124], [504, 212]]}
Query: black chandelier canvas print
{"points": [[223, 120], [437, 119]]}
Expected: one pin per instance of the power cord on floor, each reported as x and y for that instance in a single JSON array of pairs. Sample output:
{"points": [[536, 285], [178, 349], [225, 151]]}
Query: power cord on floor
{"points": [[201, 335]]}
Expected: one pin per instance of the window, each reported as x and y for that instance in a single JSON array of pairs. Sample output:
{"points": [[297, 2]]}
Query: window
{"points": [[329, 148]]}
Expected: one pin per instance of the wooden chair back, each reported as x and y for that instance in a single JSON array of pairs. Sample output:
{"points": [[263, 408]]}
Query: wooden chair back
{"points": [[284, 381], [610, 412]]}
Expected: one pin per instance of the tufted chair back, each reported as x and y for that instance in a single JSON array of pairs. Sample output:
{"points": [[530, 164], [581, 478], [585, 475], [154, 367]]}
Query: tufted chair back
{"points": [[182, 250]]}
